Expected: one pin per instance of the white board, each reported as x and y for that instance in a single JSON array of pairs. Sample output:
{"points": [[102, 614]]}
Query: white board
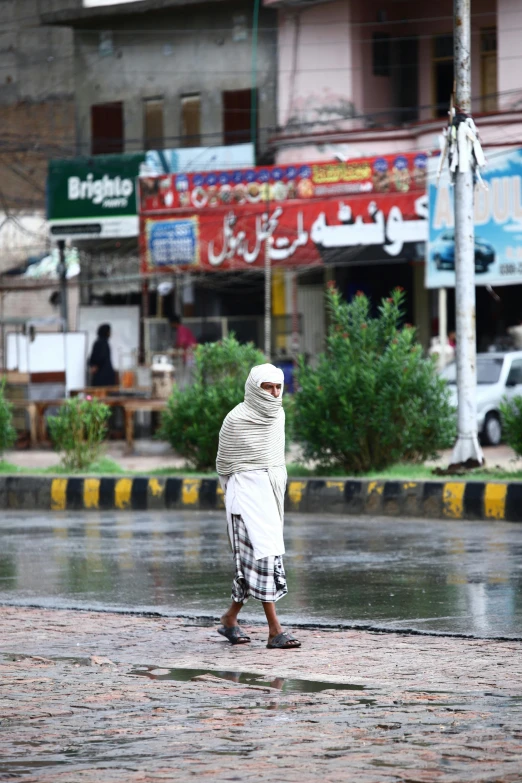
{"points": [[49, 352], [125, 331]]}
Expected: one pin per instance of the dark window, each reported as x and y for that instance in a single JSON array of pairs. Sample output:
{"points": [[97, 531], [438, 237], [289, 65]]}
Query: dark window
{"points": [[107, 128], [381, 54], [237, 112], [153, 134], [405, 56], [488, 69], [191, 120], [443, 47], [442, 73]]}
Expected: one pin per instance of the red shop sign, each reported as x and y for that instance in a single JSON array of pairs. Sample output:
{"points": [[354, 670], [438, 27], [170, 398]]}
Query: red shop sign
{"points": [[280, 184], [298, 232]]}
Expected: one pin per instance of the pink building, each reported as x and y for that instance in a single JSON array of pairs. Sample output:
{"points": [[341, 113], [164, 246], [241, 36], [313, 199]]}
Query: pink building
{"points": [[372, 78], [375, 77]]}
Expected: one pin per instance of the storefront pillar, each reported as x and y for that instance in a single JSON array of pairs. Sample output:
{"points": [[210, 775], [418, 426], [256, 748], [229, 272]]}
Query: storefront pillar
{"points": [[421, 305], [279, 310]]}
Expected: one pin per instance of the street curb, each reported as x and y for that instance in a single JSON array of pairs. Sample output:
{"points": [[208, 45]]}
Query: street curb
{"points": [[479, 500]]}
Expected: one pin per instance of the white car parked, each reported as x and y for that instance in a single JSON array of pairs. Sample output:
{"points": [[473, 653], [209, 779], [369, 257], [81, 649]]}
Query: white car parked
{"points": [[499, 376]]}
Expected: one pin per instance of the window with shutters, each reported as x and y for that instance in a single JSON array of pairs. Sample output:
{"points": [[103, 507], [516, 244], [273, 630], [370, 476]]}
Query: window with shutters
{"points": [[191, 120], [153, 132]]}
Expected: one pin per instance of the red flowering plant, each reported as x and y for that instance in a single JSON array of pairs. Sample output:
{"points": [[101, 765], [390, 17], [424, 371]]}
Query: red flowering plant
{"points": [[78, 431], [373, 399]]}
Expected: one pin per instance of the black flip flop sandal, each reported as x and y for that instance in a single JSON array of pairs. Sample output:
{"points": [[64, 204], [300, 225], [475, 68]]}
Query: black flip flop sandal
{"points": [[235, 635], [280, 642]]}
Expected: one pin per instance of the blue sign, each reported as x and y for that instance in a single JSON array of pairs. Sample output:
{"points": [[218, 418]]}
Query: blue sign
{"points": [[498, 224], [172, 243]]}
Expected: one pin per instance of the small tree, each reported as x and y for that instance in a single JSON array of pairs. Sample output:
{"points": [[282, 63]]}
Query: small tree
{"points": [[78, 430], [373, 399], [511, 411], [194, 415], [7, 431]]}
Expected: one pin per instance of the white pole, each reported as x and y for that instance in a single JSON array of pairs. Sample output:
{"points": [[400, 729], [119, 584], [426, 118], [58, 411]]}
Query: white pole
{"points": [[443, 327], [467, 446]]}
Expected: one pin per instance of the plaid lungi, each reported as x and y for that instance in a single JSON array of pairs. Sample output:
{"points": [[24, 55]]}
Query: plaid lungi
{"points": [[263, 579]]}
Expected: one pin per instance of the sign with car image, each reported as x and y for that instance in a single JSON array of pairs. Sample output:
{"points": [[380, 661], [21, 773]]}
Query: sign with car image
{"points": [[498, 224]]}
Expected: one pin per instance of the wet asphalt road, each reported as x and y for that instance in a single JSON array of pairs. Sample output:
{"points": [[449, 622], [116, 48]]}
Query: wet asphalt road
{"points": [[432, 576]]}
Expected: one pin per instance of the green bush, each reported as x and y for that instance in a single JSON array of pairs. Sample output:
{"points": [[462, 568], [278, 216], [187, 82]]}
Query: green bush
{"points": [[511, 411], [7, 431], [194, 415], [78, 430], [373, 399]]}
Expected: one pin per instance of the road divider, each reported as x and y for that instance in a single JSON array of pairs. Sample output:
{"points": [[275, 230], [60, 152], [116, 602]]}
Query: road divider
{"points": [[430, 499]]}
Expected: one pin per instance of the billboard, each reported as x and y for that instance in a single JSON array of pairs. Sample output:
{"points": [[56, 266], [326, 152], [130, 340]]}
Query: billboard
{"points": [[498, 225], [93, 197], [324, 213], [183, 159]]}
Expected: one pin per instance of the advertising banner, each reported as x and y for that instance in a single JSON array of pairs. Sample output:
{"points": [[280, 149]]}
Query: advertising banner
{"points": [[93, 197], [313, 214], [183, 159], [498, 225]]}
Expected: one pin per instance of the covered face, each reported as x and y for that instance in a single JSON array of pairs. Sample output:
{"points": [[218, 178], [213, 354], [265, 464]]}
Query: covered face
{"points": [[259, 399]]}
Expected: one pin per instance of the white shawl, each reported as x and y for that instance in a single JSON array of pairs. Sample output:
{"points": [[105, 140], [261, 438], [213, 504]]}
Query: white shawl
{"points": [[252, 436]]}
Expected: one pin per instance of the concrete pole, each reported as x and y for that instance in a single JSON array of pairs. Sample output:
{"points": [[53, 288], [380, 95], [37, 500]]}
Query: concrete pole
{"points": [[62, 270], [467, 446]]}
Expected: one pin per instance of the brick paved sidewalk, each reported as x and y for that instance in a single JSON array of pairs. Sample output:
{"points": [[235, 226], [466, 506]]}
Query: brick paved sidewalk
{"points": [[425, 709]]}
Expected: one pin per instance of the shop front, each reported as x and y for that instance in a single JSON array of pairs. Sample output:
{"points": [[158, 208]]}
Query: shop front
{"points": [[216, 235]]}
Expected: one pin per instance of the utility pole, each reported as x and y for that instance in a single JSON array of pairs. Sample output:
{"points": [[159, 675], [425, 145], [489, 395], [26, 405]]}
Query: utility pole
{"points": [[467, 446], [62, 271], [268, 295]]}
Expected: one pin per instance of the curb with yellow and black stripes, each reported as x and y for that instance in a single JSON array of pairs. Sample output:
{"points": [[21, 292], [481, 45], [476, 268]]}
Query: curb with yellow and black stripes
{"points": [[430, 499]]}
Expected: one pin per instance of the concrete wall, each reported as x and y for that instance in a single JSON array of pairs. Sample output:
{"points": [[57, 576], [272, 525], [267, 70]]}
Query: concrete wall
{"points": [[36, 122], [315, 66], [35, 60], [325, 58], [173, 52]]}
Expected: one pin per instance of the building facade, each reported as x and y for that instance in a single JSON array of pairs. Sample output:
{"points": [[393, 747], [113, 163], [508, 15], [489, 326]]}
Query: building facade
{"points": [[375, 79], [170, 73], [37, 122]]}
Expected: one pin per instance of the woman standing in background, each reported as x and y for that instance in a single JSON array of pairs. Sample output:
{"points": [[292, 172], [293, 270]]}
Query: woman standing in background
{"points": [[100, 363]]}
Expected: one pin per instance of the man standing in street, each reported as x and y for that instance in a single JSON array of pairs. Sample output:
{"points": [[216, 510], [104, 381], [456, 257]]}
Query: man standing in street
{"points": [[252, 471]]}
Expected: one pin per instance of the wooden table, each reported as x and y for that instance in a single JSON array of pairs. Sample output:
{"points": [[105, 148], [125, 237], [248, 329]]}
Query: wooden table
{"points": [[130, 408], [37, 408], [106, 391], [43, 405], [30, 407]]}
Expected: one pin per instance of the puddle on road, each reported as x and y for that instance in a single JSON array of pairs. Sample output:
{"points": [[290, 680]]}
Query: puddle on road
{"points": [[287, 685]]}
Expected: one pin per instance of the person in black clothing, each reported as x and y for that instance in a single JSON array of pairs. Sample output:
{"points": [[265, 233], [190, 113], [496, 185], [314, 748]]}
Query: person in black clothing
{"points": [[102, 371]]}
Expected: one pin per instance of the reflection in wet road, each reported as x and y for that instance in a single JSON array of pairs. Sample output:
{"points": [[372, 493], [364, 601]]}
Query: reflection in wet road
{"points": [[446, 577]]}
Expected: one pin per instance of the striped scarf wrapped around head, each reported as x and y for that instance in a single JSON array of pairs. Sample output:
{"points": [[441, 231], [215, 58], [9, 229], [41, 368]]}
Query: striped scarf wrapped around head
{"points": [[252, 436]]}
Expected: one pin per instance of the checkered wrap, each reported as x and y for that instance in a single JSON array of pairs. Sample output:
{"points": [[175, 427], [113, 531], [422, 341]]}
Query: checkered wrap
{"points": [[263, 579]]}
